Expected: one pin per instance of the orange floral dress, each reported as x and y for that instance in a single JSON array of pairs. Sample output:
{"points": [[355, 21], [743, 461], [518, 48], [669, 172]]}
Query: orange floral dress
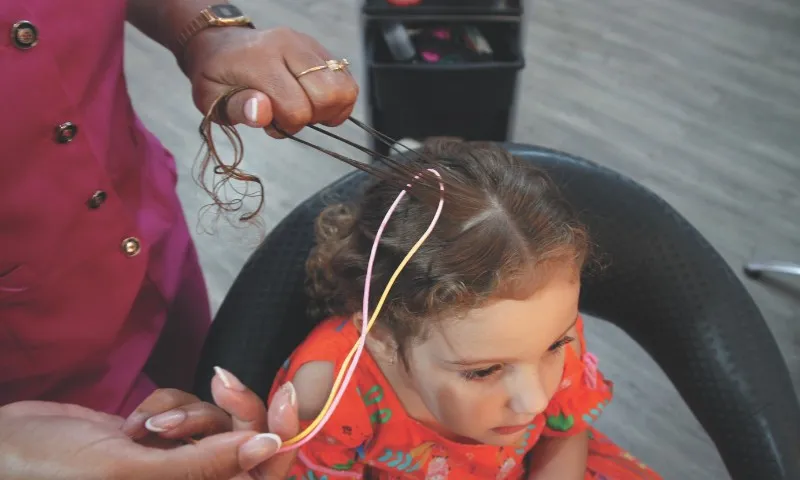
{"points": [[370, 435]]}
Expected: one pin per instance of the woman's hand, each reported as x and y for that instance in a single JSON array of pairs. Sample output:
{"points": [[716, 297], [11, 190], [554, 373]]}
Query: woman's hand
{"points": [[167, 417], [268, 62], [46, 441]]}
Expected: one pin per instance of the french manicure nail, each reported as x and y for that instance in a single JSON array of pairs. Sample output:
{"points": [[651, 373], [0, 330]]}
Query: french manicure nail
{"points": [[251, 110], [165, 421], [135, 418], [261, 447], [291, 394], [229, 380]]}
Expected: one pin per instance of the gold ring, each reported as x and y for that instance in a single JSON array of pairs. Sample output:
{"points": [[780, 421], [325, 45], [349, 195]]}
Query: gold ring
{"points": [[332, 65]]}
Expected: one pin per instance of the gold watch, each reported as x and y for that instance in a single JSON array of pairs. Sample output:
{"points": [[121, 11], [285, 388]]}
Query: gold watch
{"points": [[223, 15]]}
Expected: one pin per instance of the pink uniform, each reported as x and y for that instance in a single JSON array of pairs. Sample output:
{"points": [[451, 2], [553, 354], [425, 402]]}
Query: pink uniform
{"points": [[101, 294]]}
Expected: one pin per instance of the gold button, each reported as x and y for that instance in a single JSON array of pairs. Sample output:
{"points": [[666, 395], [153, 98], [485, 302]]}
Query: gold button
{"points": [[98, 198], [131, 246], [24, 35], [66, 132]]}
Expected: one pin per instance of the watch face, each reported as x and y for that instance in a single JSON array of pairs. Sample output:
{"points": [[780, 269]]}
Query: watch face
{"points": [[226, 11]]}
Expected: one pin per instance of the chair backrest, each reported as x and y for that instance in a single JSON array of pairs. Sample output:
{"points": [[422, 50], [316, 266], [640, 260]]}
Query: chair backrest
{"points": [[665, 285]]}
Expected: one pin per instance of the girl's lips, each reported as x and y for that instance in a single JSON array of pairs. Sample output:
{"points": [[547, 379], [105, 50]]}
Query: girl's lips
{"points": [[509, 429]]}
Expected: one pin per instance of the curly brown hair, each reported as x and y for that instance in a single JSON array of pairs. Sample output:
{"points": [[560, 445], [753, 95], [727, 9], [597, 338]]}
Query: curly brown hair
{"points": [[498, 231]]}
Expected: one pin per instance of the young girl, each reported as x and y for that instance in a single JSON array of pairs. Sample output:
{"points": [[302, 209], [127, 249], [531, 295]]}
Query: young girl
{"points": [[476, 367]]}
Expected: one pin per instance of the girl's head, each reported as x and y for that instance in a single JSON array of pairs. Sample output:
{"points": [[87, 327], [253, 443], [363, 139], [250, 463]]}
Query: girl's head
{"points": [[471, 334]]}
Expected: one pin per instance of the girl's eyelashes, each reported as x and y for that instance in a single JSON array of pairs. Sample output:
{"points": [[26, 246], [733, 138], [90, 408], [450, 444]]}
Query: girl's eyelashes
{"points": [[486, 373], [481, 374], [561, 343]]}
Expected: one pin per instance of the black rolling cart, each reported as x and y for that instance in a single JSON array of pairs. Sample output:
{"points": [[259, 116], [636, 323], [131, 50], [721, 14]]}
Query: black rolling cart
{"points": [[442, 68]]}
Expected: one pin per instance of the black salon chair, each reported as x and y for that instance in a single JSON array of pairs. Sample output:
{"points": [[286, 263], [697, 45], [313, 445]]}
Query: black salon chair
{"points": [[701, 325]]}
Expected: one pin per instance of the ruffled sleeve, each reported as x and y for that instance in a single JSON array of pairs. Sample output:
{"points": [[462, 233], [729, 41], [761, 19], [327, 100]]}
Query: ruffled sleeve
{"points": [[335, 451], [583, 394]]}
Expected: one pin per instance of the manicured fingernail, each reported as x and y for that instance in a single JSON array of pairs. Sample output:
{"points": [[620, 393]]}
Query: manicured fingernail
{"points": [[285, 399], [165, 421], [251, 110], [260, 448], [282, 414], [135, 419], [291, 395], [229, 380]]}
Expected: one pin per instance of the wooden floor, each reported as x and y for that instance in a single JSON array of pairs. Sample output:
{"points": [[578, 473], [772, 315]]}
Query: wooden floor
{"points": [[697, 99]]}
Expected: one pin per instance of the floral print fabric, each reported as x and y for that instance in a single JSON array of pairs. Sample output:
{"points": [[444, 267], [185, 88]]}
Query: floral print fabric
{"points": [[370, 436]]}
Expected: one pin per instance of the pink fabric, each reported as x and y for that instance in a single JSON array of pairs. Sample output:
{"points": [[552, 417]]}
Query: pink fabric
{"points": [[80, 321]]}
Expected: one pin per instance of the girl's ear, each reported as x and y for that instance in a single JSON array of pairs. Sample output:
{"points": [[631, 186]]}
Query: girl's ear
{"points": [[380, 342]]}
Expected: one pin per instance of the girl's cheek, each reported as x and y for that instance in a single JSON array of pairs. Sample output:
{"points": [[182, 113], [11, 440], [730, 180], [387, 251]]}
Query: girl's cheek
{"points": [[555, 373], [473, 402]]}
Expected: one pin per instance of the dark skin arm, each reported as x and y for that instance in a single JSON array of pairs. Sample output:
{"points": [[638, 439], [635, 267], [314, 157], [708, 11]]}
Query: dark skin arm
{"points": [[162, 20], [267, 62]]}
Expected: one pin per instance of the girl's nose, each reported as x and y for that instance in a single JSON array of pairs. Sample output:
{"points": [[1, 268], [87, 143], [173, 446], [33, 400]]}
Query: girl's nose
{"points": [[527, 395]]}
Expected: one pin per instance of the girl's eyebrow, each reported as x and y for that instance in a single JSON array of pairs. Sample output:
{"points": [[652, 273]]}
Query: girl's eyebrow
{"points": [[467, 362]]}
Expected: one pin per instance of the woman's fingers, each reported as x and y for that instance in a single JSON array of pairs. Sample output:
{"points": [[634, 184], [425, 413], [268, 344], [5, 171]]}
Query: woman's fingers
{"points": [[219, 457], [329, 91], [194, 420], [249, 107], [270, 65], [250, 414], [160, 401], [284, 420], [279, 98], [174, 414], [333, 96], [247, 409]]}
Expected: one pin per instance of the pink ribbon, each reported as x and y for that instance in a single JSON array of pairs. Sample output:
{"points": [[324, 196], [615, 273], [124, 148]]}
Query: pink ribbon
{"points": [[590, 370]]}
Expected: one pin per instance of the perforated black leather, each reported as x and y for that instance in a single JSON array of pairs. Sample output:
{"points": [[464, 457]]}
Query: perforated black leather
{"points": [[665, 285]]}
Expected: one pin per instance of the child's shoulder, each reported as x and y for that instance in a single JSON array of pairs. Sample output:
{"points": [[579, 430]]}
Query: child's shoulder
{"points": [[323, 351], [313, 365], [330, 341]]}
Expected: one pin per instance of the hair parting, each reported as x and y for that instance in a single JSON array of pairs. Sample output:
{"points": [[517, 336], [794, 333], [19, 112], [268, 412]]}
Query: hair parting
{"points": [[509, 234]]}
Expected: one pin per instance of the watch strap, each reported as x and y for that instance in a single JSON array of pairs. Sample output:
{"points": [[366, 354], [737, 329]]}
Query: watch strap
{"points": [[206, 19]]}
